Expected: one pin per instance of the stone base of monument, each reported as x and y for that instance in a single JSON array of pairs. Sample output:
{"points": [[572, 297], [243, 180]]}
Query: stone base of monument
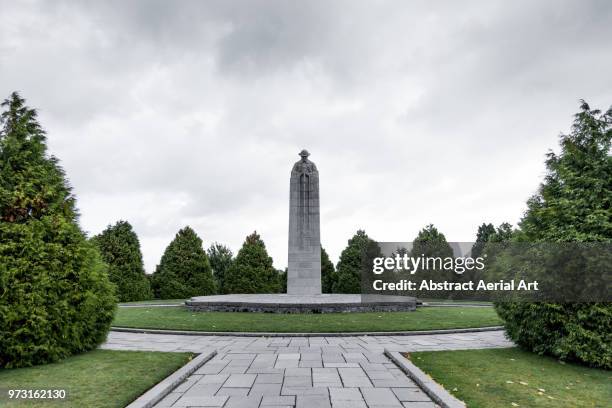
{"points": [[283, 303]]}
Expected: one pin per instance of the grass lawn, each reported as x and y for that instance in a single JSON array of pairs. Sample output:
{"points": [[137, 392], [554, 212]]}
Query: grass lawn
{"points": [[99, 378], [515, 378], [426, 318]]}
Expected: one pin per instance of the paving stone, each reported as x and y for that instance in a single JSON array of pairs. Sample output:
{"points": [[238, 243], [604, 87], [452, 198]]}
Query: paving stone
{"points": [[202, 390], [278, 400], [349, 404], [213, 379], [243, 402], [338, 365], [210, 401], [234, 370], [269, 379], [310, 356], [289, 356], [367, 367], [419, 405], [238, 392], [304, 391], [354, 377], [380, 375], [286, 363], [276, 406], [210, 368], [332, 358], [380, 397], [265, 389], [265, 370], [311, 401], [240, 380], [298, 372], [310, 363], [345, 394], [297, 381], [410, 394]]}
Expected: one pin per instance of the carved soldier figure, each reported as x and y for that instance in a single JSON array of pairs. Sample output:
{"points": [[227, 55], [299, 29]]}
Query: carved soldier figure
{"points": [[304, 262]]}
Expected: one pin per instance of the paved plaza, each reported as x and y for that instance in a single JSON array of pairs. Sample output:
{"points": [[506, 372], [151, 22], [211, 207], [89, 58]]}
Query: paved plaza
{"points": [[303, 372]]}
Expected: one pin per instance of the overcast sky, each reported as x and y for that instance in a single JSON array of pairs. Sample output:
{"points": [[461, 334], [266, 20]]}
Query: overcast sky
{"points": [[174, 113]]}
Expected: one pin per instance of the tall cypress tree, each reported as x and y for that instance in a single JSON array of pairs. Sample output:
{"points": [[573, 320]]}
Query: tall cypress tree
{"points": [[120, 248], [482, 236], [184, 270], [220, 258], [252, 270], [55, 296]]}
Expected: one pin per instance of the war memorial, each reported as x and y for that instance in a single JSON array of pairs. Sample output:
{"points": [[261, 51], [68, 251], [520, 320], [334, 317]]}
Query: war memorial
{"points": [[304, 269]]}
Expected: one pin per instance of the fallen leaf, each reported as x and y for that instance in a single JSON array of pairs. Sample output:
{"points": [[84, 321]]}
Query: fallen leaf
{"points": [[523, 383], [509, 382], [514, 404]]}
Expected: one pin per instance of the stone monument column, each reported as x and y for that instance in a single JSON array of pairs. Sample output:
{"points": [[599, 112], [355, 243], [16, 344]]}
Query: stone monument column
{"points": [[304, 272]]}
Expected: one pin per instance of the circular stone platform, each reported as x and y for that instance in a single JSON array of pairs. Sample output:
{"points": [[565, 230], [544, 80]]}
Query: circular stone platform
{"points": [[283, 303]]}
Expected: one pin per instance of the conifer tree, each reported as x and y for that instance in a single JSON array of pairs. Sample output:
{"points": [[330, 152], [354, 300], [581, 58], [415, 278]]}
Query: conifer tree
{"points": [[328, 273], [572, 204], [482, 236], [351, 264], [55, 295], [184, 270], [252, 271], [120, 249], [220, 258]]}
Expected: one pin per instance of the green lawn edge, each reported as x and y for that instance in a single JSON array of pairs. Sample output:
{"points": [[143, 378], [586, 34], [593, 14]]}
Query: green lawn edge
{"points": [[429, 318], [512, 377], [99, 378]]}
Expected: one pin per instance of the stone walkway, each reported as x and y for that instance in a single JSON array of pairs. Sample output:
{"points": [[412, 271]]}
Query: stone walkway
{"points": [[302, 372]]}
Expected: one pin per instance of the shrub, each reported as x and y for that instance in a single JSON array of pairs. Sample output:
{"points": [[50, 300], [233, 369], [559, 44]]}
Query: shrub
{"points": [[572, 204], [55, 295], [120, 249], [184, 270], [252, 270]]}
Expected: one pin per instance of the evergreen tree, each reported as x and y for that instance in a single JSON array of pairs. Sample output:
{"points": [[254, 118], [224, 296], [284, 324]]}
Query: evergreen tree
{"points": [[220, 258], [572, 204], [252, 270], [55, 296], [351, 263], [482, 236], [120, 249], [431, 243], [328, 273], [184, 270], [503, 233]]}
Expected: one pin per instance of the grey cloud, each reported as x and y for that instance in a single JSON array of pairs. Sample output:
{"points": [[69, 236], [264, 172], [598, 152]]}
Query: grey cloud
{"points": [[168, 114]]}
